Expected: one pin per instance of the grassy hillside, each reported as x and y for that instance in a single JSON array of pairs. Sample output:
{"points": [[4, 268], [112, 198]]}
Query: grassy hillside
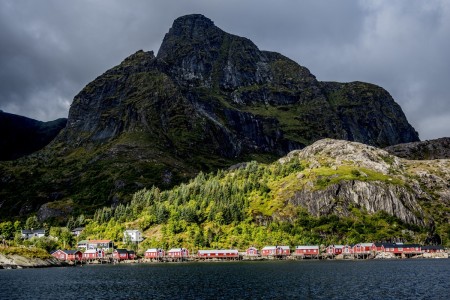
{"points": [[252, 205]]}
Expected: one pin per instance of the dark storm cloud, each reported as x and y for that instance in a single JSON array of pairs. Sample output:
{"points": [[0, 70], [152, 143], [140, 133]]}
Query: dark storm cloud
{"points": [[51, 49]]}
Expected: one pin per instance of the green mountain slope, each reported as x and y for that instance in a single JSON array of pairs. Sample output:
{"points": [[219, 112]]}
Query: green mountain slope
{"points": [[208, 100], [330, 192]]}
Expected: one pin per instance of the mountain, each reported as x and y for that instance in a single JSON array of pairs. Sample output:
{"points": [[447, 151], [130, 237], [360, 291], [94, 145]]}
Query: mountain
{"points": [[332, 191], [430, 149], [20, 136], [207, 100]]}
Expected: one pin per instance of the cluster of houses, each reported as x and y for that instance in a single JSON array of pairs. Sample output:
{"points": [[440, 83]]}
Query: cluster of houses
{"points": [[104, 249], [99, 249]]}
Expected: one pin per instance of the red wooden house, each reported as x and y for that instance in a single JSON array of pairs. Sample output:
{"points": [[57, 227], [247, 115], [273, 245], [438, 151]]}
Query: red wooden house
{"points": [[252, 251], [364, 248], [154, 253], [399, 248], [379, 247], [347, 249], [227, 253], [276, 251], [411, 248], [69, 255], [335, 249], [131, 254], [93, 254], [307, 250], [120, 254], [433, 249], [178, 252]]}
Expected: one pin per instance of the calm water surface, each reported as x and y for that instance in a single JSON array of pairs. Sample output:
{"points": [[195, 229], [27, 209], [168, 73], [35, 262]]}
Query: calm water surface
{"points": [[396, 279]]}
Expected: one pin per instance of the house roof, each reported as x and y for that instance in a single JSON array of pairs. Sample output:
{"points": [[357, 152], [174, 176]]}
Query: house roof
{"points": [[131, 252], [70, 252], [121, 250], [177, 250], [397, 245], [365, 244], [275, 247], [223, 251], [433, 247], [78, 229], [154, 250], [35, 231], [308, 247]]}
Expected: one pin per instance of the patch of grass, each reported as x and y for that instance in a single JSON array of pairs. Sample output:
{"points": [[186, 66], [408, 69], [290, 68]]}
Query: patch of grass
{"points": [[25, 252]]}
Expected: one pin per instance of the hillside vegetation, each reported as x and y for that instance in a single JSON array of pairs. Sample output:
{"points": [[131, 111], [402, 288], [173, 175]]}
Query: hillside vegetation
{"points": [[330, 192]]}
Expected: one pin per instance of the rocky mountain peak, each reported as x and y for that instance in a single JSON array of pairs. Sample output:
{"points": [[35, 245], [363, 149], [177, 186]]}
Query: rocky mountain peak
{"points": [[194, 25], [209, 99]]}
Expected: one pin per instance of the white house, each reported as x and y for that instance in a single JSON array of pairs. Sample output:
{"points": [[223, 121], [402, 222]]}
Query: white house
{"points": [[28, 234], [132, 235], [77, 231]]}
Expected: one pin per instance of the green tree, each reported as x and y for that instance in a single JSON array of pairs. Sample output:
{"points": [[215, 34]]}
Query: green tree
{"points": [[32, 223]]}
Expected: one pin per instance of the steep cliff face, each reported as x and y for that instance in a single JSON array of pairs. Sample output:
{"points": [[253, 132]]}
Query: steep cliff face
{"points": [[20, 136], [207, 100], [341, 175]]}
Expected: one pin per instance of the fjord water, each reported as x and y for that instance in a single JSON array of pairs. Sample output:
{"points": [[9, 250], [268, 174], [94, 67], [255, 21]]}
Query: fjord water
{"points": [[393, 279]]}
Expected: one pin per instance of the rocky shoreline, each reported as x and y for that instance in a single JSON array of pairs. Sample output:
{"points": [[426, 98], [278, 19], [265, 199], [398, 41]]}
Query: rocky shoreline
{"points": [[15, 261]]}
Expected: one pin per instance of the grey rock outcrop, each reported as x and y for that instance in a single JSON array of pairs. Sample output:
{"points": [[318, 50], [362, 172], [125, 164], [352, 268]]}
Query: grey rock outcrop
{"points": [[430, 149], [402, 188]]}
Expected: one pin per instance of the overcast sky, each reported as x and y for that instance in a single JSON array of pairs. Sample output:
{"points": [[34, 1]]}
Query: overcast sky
{"points": [[50, 49]]}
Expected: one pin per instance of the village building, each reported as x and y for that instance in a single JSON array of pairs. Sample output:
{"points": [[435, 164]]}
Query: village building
{"points": [[178, 252], [307, 250], [105, 245], [364, 248], [123, 254], [402, 249], [132, 235], [252, 251], [334, 249], [93, 254], [347, 249], [433, 249], [227, 253], [77, 231], [68, 255], [275, 251], [379, 247], [29, 233], [154, 253]]}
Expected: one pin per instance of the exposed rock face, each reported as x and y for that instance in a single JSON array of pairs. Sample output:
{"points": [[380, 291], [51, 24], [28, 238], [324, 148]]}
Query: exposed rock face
{"points": [[341, 175], [46, 211], [432, 149], [20, 262], [370, 196], [20, 136], [207, 100]]}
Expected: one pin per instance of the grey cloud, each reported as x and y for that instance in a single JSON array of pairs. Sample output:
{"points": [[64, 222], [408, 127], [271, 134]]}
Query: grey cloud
{"points": [[51, 49]]}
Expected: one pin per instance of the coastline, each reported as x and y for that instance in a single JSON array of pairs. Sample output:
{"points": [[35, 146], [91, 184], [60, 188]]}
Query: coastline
{"points": [[14, 261]]}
